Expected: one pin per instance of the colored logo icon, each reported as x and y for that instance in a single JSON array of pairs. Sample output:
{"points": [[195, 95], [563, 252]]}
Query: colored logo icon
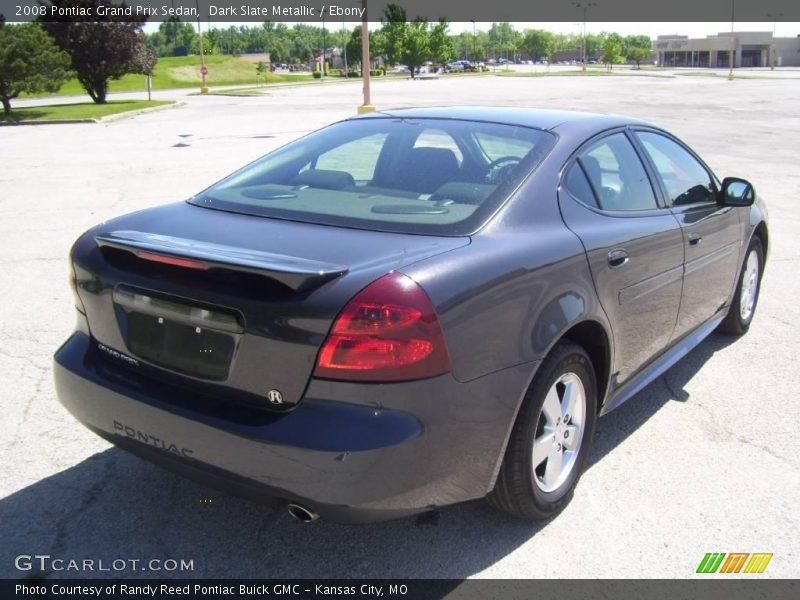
{"points": [[734, 562]]}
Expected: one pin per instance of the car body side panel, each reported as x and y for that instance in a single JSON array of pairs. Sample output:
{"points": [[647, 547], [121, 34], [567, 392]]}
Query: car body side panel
{"points": [[713, 245], [523, 281], [641, 297]]}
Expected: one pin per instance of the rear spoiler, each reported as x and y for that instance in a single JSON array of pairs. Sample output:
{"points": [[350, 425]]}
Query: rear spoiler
{"points": [[299, 274]]}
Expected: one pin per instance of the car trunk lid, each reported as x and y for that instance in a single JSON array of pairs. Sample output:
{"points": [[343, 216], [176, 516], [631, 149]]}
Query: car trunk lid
{"points": [[234, 303]]}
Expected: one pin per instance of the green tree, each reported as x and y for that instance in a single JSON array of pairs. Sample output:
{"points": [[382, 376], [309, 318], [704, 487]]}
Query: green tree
{"points": [[393, 32], [29, 62], [537, 43], [637, 48], [173, 38], [594, 45], [416, 47], [103, 49], [612, 50], [637, 54], [482, 43], [354, 46], [440, 43], [503, 40], [261, 71], [209, 46]]}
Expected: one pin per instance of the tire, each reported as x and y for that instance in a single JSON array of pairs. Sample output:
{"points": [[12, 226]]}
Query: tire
{"points": [[748, 289], [533, 491]]}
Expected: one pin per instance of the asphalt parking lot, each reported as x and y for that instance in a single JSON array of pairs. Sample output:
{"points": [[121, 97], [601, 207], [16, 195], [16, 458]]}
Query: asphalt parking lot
{"points": [[705, 459]]}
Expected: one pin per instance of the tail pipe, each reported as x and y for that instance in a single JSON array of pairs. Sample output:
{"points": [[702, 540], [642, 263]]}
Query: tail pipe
{"points": [[301, 513]]}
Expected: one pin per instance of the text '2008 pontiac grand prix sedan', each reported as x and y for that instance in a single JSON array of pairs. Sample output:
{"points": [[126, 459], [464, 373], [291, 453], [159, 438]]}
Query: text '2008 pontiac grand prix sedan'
{"points": [[409, 309]]}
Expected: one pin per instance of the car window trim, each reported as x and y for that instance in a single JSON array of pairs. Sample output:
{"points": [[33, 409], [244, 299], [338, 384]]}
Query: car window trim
{"points": [[668, 203], [592, 187], [660, 208]]}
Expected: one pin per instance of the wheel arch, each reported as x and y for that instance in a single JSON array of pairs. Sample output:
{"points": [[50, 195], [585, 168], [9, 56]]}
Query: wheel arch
{"points": [[763, 234], [593, 338]]}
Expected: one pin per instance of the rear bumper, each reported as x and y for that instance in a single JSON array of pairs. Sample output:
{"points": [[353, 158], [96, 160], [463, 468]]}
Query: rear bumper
{"points": [[351, 452]]}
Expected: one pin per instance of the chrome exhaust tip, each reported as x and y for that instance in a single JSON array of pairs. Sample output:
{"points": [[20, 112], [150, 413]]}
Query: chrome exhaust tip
{"points": [[301, 513]]}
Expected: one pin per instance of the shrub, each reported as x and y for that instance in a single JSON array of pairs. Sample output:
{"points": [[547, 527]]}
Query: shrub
{"points": [[316, 75]]}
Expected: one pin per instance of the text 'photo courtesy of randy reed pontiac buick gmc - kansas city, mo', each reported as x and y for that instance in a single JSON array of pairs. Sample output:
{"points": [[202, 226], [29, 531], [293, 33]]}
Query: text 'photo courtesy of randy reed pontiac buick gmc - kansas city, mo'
{"points": [[410, 308]]}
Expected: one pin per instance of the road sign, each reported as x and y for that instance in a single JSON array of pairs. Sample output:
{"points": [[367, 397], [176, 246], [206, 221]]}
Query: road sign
{"points": [[204, 70]]}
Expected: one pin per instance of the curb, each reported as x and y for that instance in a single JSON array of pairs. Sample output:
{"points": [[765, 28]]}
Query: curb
{"points": [[53, 122], [108, 119], [140, 111]]}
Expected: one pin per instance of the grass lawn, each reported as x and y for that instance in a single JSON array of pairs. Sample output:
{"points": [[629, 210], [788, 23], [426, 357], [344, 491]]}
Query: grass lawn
{"points": [[184, 71], [83, 110]]}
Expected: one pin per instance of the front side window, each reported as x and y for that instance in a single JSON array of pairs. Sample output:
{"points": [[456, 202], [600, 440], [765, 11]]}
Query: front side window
{"points": [[687, 181], [430, 176], [616, 175]]}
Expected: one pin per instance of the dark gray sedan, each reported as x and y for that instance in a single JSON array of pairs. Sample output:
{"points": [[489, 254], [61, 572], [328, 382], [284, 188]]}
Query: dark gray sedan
{"points": [[409, 309]]}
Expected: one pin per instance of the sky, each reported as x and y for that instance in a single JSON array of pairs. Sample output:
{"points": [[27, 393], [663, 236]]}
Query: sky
{"points": [[651, 29]]}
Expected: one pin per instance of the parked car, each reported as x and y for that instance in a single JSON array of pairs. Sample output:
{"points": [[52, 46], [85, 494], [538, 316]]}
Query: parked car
{"points": [[409, 309]]}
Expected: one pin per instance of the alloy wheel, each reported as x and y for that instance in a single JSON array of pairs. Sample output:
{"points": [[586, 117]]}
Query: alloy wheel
{"points": [[749, 291], [559, 432]]}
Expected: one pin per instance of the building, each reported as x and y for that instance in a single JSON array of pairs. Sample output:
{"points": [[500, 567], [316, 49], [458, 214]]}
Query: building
{"points": [[750, 49]]}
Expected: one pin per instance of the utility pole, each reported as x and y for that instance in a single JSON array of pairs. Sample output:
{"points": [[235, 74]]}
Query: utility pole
{"points": [[322, 74], [773, 50], [367, 106], [344, 41], [203, 68], [733, 42], [585, 6]]}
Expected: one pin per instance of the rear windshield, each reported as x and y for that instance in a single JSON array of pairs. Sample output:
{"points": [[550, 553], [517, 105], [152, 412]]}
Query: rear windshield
{"points": [[429, 176]]}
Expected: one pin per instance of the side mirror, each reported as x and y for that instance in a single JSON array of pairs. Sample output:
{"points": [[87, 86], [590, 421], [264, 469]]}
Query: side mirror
{"points": [[736, 192]]}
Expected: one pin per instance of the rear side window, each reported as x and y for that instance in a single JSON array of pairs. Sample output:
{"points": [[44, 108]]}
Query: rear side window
{"points": [[617, 175], [687, 181], [409, 175]]}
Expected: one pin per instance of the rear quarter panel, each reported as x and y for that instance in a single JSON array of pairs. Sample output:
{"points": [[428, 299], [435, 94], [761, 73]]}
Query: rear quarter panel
{"points": [[506, 299]]}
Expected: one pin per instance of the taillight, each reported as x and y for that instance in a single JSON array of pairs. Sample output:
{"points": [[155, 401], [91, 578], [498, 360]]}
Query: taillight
{"points": [[73, 284], [387, 332]]}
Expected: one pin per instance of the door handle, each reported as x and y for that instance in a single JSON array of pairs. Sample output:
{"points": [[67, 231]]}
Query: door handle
{"points": [[695, 238], [617, 258]]}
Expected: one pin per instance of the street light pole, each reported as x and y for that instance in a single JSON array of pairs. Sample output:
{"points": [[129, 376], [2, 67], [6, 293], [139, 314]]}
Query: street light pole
{"points": [[585, 6], [344, 41], [367, 106], [773, 49], [322, 74], [733, 42]]}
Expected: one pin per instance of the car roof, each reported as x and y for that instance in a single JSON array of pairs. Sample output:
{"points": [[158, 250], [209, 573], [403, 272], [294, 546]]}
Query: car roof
{"points": [[527, 117]]}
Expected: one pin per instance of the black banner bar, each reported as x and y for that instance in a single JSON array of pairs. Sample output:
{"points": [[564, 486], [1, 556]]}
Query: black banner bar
{"points": [[748, 588], [226, 11]]}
